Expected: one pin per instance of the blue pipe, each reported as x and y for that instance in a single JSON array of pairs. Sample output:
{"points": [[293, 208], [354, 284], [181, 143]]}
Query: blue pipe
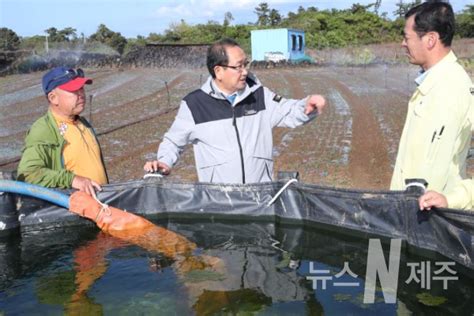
{"points": [[35, 191]]}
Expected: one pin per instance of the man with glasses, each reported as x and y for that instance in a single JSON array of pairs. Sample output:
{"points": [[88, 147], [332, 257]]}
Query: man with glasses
{"points": [[61, 149], [230, 120], [438, 128]]}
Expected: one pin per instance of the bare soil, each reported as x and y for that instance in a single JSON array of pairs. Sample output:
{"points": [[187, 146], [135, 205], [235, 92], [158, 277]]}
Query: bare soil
{"points": [[353, 144]]}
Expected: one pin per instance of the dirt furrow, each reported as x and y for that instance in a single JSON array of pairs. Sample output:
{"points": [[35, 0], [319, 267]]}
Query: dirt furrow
{"points": [[369, 162], [24, 109], [135, 111]]}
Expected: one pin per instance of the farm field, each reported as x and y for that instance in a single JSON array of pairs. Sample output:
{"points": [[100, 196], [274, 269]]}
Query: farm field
{"points": [[352, 145]]}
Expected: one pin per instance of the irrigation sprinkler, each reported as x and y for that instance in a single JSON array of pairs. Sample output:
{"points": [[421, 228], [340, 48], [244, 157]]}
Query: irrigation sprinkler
{"points": [[408, 83], [90, 108], [46, 44], [168, 92]]}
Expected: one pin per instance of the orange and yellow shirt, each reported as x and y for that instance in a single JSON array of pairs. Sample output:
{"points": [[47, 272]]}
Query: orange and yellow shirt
{"points": [[81, 153]]}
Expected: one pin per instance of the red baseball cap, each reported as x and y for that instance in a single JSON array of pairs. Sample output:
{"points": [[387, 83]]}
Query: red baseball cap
{"points": [[75, 84]]}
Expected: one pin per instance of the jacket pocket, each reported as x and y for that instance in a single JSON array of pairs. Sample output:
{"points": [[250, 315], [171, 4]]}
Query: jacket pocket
{"points": [[433, 149], [207, 172], [264, 166]]}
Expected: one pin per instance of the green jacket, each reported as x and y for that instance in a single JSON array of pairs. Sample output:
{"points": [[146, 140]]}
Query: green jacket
{"points": [[42, 160]]}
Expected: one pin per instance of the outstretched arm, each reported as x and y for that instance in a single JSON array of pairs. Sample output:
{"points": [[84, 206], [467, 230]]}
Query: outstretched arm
{"points": [[292, 113], [316, 103]]}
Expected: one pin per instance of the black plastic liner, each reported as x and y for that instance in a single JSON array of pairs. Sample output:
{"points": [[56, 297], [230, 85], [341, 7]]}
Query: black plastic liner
{"points": [[253, 251], [392, 214]]}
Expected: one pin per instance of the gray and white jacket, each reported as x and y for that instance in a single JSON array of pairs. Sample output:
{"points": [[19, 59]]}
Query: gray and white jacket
{"points": [[233, 143]]}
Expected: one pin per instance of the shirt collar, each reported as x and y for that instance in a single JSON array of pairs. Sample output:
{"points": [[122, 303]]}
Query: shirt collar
{"points": [[432, 75], [230, 97], [65, 119], [421, 76]]}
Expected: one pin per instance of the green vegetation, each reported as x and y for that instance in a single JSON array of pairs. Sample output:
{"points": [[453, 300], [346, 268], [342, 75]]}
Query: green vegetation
{"points": [[430, 300], [465, 22], [56, 289], [197, 276], [467, 63], [358, 25], [106, 36], [339, 28], [283, 264], [267, 16], [328, 28], [65, 35], [9, 39]]}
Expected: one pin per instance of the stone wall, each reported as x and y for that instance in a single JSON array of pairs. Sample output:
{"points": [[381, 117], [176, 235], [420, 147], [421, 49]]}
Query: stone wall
{"points": [[7, 58], [160, 56], [168, 56], [149, 56]]}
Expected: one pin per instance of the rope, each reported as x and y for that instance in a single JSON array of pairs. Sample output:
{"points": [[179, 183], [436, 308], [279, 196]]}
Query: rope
{"points": [[103, 208], [293, 264], [281, 191], [275, 243]]}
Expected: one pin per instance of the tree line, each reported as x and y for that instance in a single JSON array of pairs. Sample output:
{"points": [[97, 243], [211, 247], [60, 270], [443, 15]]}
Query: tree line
{"points": [[357, 25]]}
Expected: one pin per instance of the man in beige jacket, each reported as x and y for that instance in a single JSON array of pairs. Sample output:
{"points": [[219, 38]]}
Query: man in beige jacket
{"points": [[437, 132]]}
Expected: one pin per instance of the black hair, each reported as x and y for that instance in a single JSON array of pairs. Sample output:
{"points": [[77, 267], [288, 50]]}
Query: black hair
{"points": [[434, 16], [217, 55]]}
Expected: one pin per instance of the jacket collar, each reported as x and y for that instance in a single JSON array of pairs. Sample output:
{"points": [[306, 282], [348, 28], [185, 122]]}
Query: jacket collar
{"points": [[210, 88], [53, 126], [435, 72]]}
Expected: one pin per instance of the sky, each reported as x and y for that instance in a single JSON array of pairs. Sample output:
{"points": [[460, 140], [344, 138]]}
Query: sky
{"points": [[141, 17]]}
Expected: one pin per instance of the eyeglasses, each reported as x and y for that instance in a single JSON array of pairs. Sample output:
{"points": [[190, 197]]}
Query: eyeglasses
{"points": [[70, 74], [245, 65]]}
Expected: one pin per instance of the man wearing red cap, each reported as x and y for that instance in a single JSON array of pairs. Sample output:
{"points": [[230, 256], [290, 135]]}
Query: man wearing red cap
{"points": [[61, 149]]}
